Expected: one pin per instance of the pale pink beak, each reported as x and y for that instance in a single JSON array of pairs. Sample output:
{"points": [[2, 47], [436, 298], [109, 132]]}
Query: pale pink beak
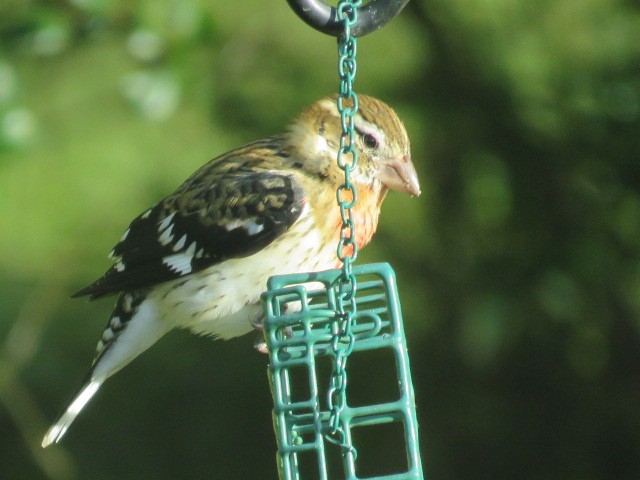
{"points": [[400, 175]]}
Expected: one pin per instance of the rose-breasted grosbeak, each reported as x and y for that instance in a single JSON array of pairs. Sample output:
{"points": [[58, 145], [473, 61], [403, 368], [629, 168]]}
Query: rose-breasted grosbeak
{"points": [[201, 257]]}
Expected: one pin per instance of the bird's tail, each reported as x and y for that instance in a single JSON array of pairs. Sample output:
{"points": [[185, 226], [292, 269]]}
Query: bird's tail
{"points": [[58, 429]]}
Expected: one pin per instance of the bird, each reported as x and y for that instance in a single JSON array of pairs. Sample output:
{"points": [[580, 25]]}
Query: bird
{"points": [[200, 258]]}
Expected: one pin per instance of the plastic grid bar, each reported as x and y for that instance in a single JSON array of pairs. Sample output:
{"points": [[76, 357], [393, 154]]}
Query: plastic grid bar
{"points": [[300, 314]]}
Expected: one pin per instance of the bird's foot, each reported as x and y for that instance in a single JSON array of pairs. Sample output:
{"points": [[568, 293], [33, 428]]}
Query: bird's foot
{"points": [[260, 344]]}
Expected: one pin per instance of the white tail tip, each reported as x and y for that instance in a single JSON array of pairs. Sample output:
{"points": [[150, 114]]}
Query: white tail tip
{"points": [[58, 429]]}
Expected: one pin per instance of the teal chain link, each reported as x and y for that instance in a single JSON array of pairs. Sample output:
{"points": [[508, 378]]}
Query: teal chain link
{"points": [[347, 196]]}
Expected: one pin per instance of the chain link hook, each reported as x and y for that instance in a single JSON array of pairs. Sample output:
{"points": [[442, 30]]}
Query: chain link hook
{"points": [[324, 17]]}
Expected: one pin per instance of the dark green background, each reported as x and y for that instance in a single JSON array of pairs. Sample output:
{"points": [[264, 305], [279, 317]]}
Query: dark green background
{"points": [[519, 265]]}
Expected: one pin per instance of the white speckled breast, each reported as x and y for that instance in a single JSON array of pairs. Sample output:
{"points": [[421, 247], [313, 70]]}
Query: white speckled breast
{"points": [[223, 300]]}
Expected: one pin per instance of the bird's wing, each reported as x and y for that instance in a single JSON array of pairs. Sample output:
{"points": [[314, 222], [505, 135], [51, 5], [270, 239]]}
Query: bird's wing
{"points": [[208, 220]]}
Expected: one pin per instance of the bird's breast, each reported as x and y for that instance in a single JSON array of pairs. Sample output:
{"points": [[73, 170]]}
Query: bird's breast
{"points": [[365, 215], [216, 294]]}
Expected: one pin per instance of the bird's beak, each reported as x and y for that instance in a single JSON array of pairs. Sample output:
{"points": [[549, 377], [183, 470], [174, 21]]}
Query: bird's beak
{"points": [[400, 175]]}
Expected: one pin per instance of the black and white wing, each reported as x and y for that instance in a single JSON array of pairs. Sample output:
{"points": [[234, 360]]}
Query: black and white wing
{"points": [[207, 221]]}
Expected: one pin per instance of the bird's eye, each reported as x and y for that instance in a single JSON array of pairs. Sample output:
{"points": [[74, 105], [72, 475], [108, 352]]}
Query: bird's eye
{"points": [[370, 141]]}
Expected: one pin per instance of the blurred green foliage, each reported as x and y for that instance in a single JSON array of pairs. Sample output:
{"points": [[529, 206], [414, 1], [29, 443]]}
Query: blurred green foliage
{"points": [[519, 265]]}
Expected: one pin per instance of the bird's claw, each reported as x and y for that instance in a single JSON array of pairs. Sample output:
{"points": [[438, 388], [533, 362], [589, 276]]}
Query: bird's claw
{"points": [[260, 344], [258, 323]]}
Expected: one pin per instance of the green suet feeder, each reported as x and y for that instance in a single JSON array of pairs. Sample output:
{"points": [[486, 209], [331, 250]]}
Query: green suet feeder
{"points": [[300, 326]]}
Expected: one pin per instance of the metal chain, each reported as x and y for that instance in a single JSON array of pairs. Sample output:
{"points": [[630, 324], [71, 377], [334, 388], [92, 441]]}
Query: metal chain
{"points": [[343, 338]]}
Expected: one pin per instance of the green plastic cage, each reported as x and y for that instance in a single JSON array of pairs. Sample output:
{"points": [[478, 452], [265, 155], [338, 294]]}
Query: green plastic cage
{"points": [[300, 325]]}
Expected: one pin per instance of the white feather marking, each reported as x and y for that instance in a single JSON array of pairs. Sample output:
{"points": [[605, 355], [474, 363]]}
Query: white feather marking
{"points": [[120, 267], [200, 253], [165, 223], [115, 322], [191, 250], [180, 243], [233, 224], [127, 300], [179, 263], [59, 428], [253, 228], [146, 214], [166, 238], [107, 335], [125, 235], [112, 255]]}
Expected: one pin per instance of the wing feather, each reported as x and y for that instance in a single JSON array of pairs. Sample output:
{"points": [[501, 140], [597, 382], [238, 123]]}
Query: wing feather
{"points": [[208, 220]]}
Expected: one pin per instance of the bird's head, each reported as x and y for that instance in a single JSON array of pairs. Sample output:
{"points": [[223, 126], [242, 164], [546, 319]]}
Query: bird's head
{"points": [[384, 156]]}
